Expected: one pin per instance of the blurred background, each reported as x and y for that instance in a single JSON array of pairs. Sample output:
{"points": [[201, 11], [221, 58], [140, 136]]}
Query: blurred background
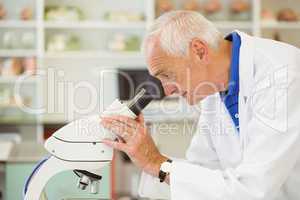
{"points": [[63, 59]]}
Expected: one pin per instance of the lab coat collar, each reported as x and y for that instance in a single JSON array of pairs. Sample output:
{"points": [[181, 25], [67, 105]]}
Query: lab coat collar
{"points": [[246, 82], [246, 67]]}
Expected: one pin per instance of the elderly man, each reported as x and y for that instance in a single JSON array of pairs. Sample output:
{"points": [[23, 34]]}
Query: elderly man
{"points": [[248, 143]]}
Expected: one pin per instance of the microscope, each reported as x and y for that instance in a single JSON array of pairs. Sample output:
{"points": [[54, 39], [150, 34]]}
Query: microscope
{"points": [[78, 146]]}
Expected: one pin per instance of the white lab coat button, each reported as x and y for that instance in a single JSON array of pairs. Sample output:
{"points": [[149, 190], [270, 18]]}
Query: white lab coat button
{"points": [[236, 115]]}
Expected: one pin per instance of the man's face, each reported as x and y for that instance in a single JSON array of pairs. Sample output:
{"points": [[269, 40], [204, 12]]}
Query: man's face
{"points": [[186, 76]]}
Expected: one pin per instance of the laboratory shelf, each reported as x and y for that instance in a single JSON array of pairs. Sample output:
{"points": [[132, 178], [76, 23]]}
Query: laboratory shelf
{"points": [[280, 25], [234, 24], [18, 24], [18, 79], [94, 54], [18, 52], [94, 25]]}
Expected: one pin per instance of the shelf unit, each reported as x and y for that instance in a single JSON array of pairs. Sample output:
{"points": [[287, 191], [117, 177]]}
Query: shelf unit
{"points": [[98, 57], [254, 26]]}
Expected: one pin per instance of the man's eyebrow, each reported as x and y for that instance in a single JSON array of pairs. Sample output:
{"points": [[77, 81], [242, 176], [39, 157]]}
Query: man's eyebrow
{"points": [[157, 73]]}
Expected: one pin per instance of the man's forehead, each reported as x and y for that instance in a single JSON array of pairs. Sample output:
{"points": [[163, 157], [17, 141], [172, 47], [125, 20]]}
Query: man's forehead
{"points": [[158, 62], [157, 59], [154, 48]]}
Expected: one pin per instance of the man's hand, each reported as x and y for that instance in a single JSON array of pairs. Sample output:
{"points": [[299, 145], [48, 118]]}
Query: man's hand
{"points": [[136, 142]]}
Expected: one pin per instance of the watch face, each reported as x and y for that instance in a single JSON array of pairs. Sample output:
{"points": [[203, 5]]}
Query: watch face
{"points": [[166, 167]]}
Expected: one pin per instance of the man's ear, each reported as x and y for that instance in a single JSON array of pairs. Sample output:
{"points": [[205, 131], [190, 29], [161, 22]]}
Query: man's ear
{"points": [[200, 48]]}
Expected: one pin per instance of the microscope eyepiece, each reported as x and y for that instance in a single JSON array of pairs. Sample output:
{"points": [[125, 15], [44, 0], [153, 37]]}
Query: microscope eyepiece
{"points": [[139, 102], [152, 90]]}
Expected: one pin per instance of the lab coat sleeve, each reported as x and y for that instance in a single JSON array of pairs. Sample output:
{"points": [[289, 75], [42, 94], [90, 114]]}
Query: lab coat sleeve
{"points": [[199, 152], [150, 187], [271, 151]]}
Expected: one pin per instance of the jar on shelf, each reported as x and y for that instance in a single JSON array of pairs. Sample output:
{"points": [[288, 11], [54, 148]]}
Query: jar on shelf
{"points": [[26, 13], [64, 13], [267, 15], [29, 66], [192, 5], [123, 16], [12, 67], [163, 6], [240, 10], [4, 96], [121, 43], [27, 40], [213, 10], [288, 15], [117, 43], [63, 42], [9, 40], [2, 11]]}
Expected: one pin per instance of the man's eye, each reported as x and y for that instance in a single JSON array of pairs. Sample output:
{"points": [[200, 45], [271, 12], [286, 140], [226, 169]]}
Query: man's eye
{"points": [[164, 76]]}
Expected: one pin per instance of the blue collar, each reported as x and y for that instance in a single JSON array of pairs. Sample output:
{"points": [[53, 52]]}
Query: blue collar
{"points": [[233, 87], [231, 96]]}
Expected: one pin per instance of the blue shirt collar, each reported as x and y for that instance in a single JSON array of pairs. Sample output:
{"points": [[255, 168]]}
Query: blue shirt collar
{"points": [[233, 87]]}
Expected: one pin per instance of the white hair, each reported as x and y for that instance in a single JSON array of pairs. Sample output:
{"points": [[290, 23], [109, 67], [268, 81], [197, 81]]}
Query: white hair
{"points": [[176, 29]]}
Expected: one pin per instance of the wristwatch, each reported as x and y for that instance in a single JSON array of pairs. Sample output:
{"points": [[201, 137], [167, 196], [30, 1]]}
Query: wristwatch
{"points": [[165, 169]]}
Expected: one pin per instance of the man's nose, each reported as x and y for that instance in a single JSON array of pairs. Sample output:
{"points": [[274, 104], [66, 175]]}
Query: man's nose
{"points": [[170, 89]]}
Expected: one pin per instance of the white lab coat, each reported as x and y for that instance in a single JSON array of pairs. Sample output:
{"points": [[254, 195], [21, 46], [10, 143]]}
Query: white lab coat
{"points": [[262, 162]]}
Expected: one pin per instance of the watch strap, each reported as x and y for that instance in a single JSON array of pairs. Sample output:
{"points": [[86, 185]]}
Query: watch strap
{"points": [[162, 175]]}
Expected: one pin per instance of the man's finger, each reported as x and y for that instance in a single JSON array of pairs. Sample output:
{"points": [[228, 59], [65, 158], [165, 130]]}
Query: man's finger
{"points": [[140, 118], [121, 119], [124, 127], [114, 144], [122, 130]]}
